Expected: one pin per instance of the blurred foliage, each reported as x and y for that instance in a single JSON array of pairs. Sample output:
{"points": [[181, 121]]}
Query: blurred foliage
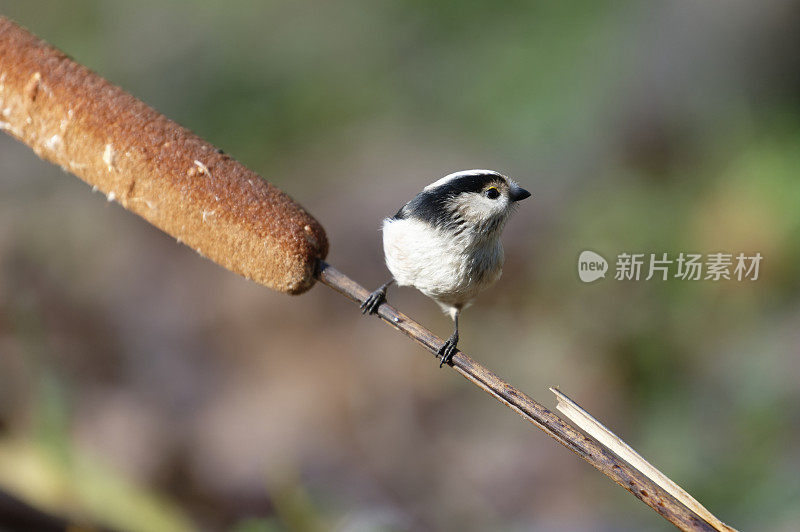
{"points": [[149, 390]]}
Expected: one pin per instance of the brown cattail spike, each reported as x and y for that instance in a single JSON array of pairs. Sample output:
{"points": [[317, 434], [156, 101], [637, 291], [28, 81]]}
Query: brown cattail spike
{"points": [[152, 166]]}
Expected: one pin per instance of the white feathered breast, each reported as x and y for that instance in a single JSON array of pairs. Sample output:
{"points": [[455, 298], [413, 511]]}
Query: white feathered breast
{"points": [[450, 269]]}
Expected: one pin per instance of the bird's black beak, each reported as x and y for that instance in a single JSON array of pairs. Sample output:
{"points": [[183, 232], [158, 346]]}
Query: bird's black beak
{"points": [[517, 193]]}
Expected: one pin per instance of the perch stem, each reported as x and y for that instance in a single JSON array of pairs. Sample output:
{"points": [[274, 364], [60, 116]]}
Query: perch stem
{"points": [[586, 447]]}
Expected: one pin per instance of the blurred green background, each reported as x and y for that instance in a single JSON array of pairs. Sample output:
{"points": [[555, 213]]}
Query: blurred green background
{"points": [[145, 388]]}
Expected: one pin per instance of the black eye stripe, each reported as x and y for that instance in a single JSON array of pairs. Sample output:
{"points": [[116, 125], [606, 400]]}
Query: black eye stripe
{"points": [[466, 183], [435, 205]]}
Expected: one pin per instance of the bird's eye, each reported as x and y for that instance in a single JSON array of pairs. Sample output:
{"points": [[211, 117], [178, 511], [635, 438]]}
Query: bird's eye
{"points": [[492, 193]]}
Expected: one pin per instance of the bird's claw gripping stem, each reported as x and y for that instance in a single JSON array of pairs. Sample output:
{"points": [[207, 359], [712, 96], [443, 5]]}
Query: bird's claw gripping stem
{"points": [[447, 350], [375, 299]]}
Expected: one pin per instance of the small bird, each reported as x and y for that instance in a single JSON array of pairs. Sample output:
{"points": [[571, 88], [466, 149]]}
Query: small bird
{"points": [[445, 242]]}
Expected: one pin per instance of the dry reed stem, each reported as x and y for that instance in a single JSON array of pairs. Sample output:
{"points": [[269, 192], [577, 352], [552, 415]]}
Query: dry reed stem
{"points": [[586, 447], [617, 445]]}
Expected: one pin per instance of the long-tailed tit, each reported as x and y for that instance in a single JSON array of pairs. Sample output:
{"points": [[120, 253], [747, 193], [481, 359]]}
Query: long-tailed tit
{"points": [[446, 241]]}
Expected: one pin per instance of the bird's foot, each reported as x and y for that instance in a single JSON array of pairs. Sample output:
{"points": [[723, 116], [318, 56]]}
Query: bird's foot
{"points": [[373, 301], [447, 350]]}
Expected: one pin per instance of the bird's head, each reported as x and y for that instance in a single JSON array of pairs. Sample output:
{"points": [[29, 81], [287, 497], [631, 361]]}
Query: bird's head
{"points": [[478, 200]]}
